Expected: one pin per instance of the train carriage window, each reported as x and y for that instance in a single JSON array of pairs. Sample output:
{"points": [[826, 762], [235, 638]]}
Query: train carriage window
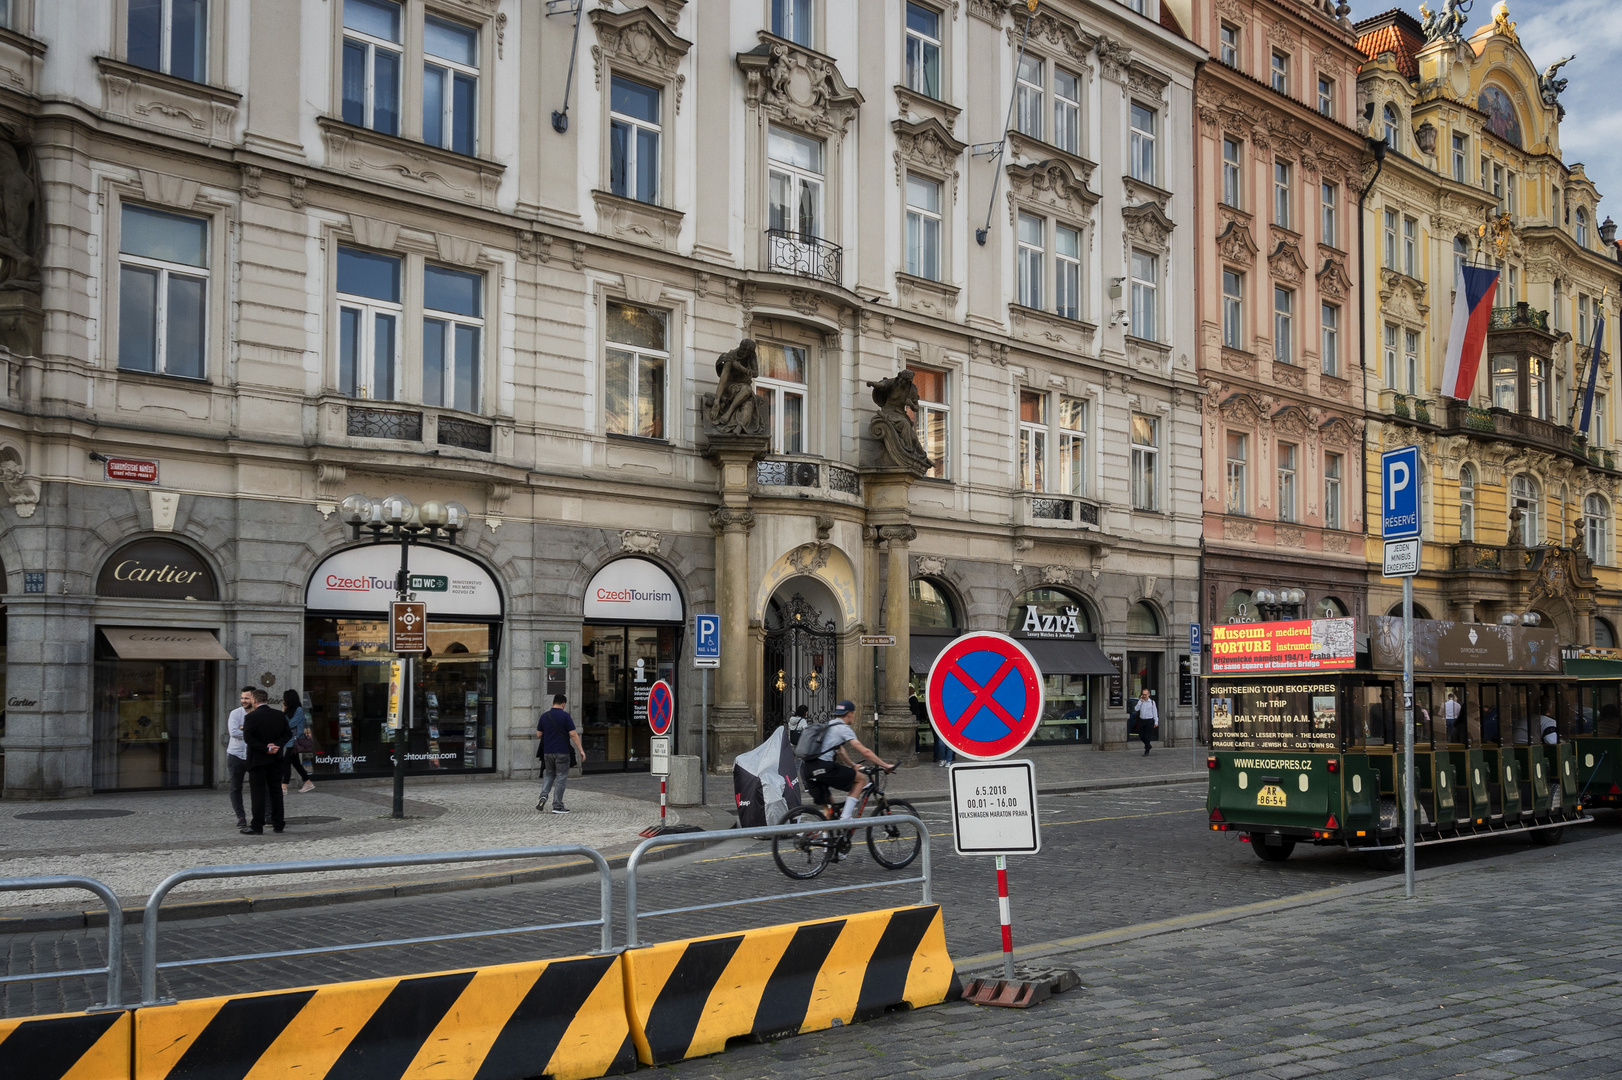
{"points": [[1453, 713], [1519, 716], [1607, 711], [1545, 727], [1484, 726], [1422, 714], [1372, 721]]}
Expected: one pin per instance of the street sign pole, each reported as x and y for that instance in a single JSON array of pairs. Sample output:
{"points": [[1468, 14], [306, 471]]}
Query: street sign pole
{"points": [[1408, 804], [1400, 510], [1007, 918], [706, 654]]}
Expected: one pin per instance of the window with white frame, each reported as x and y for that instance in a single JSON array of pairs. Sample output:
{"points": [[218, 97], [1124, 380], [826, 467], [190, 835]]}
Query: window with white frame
{"points": [[1145, 296], [1281, 194], [1461, 255], [1066, 110], [1597, 529], [781, 391], [452, 337], [1523, 496], [1461, 156], [1033, 440], [5, 15], [1393, 130], [1139, 6], [1233, 309], [1512, 278], [1583, 337], [1143, 142], [923, 59], [635, 127], [1505, 388], [1281, 72], [1028, 95], [1067, 271], [1031, 111], [162, 292], [1284, 326], [1288, 453], [1034, 270], [1598, 433], [1328, 223], [1334, 469], [1329, 344], [923, 227], [636, 365], [170, 36], [1390, 221], [1145, 462], [1238, 473], [1498, 187], [1511, 190], [450, 85], [1467, 503], [1326, 96], [369, 314], [372, 64], [794, 183], [1410, 247], [1232, 179], [933, 418], [1228, 46], [1582, 227], [1032, 256], [1073, 416], [1390, 356], [792, 19], [1410, 359], [1537, 387]]}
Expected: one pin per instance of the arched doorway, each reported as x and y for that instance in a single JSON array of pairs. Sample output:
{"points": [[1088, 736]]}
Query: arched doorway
{"points": [[630, 639], [801, 651]]}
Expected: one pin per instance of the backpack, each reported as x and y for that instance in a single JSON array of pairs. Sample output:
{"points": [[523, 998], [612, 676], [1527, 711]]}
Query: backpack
{"points": [[809, 744]]}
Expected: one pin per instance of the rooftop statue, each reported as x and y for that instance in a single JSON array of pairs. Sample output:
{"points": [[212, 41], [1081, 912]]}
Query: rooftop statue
{"points": [[1448, 24]]}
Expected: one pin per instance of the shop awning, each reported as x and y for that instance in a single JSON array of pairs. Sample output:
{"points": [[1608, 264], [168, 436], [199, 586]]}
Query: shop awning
{"points": [[159, 643], [1068, 657], [925, 647]]}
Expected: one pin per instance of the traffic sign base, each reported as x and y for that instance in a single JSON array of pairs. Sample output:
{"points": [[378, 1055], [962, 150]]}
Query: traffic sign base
{"points": [[1030, 986], [666, 830]]}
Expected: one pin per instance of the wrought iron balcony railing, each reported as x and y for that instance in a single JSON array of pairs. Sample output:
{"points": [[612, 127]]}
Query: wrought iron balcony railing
{"points": [[792, 252], [1518, 317]]}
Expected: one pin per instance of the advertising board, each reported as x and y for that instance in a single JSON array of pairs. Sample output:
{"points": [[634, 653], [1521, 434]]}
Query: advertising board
{"points": [[1294, 645]]}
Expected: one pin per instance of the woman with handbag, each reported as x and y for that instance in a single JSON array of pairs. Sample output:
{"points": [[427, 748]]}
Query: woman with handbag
{"points": [[300, 744]]}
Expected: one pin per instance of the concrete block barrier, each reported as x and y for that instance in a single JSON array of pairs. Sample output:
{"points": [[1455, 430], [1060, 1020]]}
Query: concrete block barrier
{"points": [[687, 998], [72, 1046], [562, 1018]]}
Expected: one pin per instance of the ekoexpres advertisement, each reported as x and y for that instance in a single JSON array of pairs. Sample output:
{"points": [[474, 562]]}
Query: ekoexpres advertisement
{"points": [[1296, 645], [1277, 716]]}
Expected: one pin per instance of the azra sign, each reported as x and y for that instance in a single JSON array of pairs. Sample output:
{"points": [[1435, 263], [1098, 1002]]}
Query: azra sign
{"points": [[1066, 623]]}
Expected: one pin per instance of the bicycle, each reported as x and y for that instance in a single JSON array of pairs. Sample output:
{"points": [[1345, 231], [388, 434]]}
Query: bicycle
{"points": [[893, 845]]}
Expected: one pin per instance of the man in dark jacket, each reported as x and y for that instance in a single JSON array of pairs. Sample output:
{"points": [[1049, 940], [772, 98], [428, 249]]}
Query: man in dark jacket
{"points": [[265, 731]]}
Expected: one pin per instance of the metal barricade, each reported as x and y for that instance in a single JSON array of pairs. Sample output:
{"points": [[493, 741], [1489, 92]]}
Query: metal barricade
{"points": [[149, 923], [115, 934], [632, 915]]}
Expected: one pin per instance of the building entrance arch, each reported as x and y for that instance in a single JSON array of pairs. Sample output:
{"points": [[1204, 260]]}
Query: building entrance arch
{"points": [[801, 652]]}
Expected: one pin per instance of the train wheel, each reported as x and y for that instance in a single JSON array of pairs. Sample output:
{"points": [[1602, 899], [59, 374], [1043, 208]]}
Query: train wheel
{"points": [[1547, 837], [1385, 861], [1276, 853]]}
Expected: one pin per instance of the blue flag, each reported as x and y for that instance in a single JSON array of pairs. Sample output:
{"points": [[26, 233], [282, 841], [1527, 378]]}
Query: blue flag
{"points": [[1593, 369]]}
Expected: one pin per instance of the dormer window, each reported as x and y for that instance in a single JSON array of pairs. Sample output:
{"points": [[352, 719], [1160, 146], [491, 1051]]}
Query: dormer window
{"points": [[1582, 228]]}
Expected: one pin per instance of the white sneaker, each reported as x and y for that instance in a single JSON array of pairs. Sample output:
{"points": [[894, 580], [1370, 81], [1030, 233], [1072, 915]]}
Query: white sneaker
{"points": [[309, 785]]}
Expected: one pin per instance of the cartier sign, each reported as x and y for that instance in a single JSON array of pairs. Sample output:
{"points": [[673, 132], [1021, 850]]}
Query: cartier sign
{"points": [[155, 569]]}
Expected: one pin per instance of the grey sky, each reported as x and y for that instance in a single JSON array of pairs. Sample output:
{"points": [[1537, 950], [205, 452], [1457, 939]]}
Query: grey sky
{"points": [[1549, 30]]}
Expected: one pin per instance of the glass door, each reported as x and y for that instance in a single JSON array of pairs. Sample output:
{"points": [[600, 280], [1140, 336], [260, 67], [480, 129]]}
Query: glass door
{"points": [[618, 666], [1143, 671]]}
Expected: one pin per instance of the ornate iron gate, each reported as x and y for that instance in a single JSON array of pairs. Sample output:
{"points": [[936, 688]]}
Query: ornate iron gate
{"points": [[801, 664]]}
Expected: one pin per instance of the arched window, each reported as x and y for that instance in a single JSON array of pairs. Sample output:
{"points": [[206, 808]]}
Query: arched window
{"points": [[1420, 611], [1582, 228], [1033, 608], [930, 605], [1604, 634], [1238, 608], [1523, 496], [1329, 607], [1391, 128], [1141, 619], [1467, 503], [1597, 529]]}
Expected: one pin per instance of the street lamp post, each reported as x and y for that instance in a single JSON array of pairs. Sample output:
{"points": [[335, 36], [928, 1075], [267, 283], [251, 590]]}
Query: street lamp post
{"points": [[394, 518], [1271, 603]]}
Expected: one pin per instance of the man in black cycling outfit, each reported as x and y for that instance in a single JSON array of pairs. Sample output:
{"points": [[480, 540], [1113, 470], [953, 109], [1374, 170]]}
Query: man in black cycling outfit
{"points": [[829, 766]]}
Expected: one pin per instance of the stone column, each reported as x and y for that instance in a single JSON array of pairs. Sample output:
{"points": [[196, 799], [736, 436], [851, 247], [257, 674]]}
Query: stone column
{"points": [[897, 725], [734, 727]]}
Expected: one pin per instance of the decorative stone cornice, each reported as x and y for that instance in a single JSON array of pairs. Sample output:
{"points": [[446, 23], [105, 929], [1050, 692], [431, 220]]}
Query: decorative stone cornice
{"points": [[1286, 263], [798, 87], [1236, 245], [904, 534], [1050, 185], [927, 145], [732, 519], [1148, 226], [637, 40], [1055, 36]]}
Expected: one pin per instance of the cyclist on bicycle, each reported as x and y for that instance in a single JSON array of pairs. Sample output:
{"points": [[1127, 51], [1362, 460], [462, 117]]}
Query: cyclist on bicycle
{"points": [[828, 766]]}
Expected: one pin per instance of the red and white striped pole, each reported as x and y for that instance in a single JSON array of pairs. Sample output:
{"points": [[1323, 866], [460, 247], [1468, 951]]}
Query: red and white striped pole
{"points": [[1007, 920], [661, 802]]}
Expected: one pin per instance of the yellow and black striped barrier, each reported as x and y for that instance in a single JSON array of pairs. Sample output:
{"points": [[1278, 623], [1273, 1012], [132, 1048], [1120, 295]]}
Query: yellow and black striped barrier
{"points": [[563, 1018], [687, 998], [72, 1046]]}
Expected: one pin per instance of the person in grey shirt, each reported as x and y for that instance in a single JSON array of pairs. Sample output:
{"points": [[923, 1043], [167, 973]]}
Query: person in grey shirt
{"points": [[236, 753]]}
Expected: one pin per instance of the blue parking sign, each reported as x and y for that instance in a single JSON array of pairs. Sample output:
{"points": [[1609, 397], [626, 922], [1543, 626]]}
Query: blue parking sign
{"points": [[1399, 493], [706, 640], [1194, 637]]}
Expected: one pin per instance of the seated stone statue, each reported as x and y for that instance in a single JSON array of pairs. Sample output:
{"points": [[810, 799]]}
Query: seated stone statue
{"points": [[893, 427], [733, 408]]}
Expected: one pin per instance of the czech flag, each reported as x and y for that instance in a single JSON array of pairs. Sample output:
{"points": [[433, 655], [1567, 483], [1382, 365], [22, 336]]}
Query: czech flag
{"points": [[1593, 366], [1472, 307]]}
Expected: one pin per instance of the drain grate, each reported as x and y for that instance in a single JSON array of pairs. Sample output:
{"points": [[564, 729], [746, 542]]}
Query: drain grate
{"points": [[72, 815]]}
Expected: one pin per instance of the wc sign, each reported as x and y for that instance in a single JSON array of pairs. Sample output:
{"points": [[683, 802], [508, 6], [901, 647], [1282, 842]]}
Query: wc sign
{"points": [[1399, 493]]}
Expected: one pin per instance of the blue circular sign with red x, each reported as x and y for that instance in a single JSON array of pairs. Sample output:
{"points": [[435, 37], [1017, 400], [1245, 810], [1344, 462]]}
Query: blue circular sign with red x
{"points": [[984, 695], [661, 707]]}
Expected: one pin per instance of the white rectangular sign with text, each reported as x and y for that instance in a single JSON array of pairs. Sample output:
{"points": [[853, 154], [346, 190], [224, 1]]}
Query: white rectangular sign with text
{"points": [[994, 808]]}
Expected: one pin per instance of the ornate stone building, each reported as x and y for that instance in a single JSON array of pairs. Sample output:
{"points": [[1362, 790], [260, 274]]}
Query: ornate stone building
{"points": [[259, 256], [1277, 176], [1519, 504]]}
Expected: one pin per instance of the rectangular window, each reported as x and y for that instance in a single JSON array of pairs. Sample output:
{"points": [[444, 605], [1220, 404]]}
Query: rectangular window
{"points": [[1513, 277], [1461, 155], [1028, 110], [1286, 481], [635, 365], [1391, 356], [1031, 257], [170, 36], [794, 183], [1232, 186], [780, 390], [1334, 468], [1410, 359], [934, 418], [1233, 310], [1537, 387], [452, 333], [1410, 247], [1329, 200], [1461, 254], [1281, 73], [1326, 96], [1143, 143], [369, 313], [1228, 51], [162, 292], [1283, 326], [1145, 296], [1145, 462], [1510, 189], [450, 85], [1598, 433], [1072, 445], [1583, 337], [372, 64], [1281, 194], [1390, 239], [1139, 6], [1498, 185], [1331, 340], [634, 127], [1467, 504], [1066, 111], [1067, 271], [924, 50], [1033, 440], [1238, 468], [923, 228], [1505, 392], [791, 19]]}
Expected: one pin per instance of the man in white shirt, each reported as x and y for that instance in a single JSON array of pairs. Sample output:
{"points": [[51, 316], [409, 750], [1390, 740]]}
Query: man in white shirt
{"points": [[1145, 718], [236, 752]]}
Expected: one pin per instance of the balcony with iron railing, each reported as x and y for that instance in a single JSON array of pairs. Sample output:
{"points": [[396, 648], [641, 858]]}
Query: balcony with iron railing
{"points": [[806, 478], [1521, 316], [1054, 511], [790, 251], [1530, 431]]}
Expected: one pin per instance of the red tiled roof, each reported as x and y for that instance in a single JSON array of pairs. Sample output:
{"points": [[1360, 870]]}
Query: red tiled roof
{"points": [[1389, 34]]}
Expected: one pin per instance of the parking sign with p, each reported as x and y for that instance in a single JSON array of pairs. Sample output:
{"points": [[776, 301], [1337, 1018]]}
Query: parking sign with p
{"points": [[1399, 493]]}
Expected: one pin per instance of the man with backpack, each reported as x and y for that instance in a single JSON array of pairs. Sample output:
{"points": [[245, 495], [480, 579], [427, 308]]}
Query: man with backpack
{"points": [[825, 765]]}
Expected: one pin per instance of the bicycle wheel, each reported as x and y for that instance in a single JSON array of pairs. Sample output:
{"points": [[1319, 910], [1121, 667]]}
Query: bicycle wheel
{"points": [[806, 855], [895, 844]]}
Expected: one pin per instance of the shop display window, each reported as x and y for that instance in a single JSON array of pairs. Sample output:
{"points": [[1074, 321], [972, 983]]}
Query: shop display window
{"points": [[150, 720]]}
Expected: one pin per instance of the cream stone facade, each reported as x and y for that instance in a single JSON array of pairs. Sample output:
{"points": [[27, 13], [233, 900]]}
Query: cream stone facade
{"points": [[484, 251]]}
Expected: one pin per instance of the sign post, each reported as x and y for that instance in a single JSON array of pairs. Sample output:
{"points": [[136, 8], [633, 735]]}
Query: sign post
{"points": [[1399, 525], [706, 655]]}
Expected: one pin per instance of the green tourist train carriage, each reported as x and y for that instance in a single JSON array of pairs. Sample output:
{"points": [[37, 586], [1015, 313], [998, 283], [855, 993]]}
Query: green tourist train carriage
{"points": [[1306, 735]]}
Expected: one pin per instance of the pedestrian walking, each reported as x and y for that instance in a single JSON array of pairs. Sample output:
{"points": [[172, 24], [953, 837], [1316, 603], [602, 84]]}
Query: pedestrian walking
{"points": [[1145, 718], [236, 753], [265, 731], [293, 753], [556, 731]]}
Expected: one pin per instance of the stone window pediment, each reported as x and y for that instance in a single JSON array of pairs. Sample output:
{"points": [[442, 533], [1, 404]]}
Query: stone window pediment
{"points": [[1141, 191], [1333, 281], [405, 163], [1029, 149], [1240, 410], [1057, 38], [165, 103], [1403, 299], [1236, 244], [638, 42], [1049, 186], [1147, 226], [927, 146], [915, 107], [798, 87], [1286, 263]]}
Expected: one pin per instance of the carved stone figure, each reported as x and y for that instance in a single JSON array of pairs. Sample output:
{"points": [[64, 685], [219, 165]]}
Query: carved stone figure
{"points": [[19, 200], [893, 427], [1448, 24], [1550, 86], [733, 409]]}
